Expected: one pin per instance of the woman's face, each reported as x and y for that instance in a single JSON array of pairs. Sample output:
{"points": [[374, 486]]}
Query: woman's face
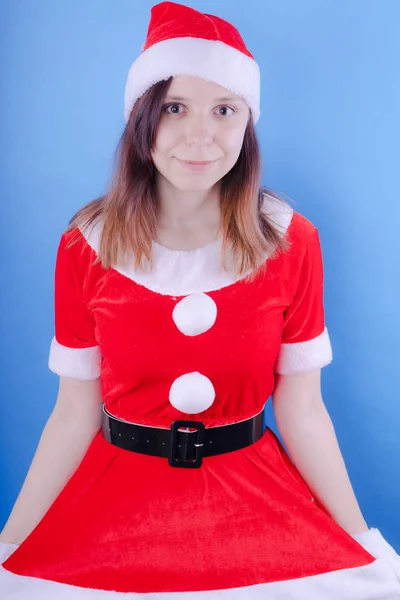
{"points": [[200, 133]]}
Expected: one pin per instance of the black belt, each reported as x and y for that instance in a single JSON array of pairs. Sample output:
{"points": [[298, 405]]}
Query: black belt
{"points": [[182, 448]]}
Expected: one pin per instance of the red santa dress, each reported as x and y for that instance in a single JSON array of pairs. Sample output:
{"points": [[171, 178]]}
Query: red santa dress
{"points": [[242, 526]]}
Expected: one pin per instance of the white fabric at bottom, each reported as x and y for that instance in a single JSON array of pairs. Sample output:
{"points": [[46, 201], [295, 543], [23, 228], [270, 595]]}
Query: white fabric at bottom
{"points": [[379, 580]]}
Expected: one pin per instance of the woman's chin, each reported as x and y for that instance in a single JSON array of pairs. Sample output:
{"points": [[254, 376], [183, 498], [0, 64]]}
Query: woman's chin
{"points": [[194, 184]]}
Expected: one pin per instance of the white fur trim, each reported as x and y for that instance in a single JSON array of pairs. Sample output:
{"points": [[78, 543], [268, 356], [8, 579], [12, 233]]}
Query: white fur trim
{"points": [[305, 356], [195, 314], [209, 59], [184, 272], [80, 363], [6, 550], [375, 581], [374, 543], [192, 393]]}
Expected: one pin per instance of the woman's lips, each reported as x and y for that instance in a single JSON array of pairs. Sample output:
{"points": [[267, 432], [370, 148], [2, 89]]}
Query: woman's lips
{"points": [[197, 165]]}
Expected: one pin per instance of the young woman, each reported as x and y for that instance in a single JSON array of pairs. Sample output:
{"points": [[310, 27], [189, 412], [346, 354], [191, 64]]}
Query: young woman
{"points": [[184, 299]]}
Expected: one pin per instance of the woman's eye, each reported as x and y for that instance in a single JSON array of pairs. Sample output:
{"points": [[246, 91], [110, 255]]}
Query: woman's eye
{"points": [[225, 111], [173, 108]]}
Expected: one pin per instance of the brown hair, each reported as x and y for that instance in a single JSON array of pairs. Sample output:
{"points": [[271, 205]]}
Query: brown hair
{"points": [[129, 210]]}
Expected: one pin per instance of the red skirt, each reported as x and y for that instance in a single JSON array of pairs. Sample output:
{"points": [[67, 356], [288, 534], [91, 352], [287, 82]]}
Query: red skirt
{"points": [[244, 525]]}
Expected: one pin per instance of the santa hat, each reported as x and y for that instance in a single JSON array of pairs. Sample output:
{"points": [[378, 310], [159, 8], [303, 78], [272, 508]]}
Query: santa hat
{"points": [[184, 41]]}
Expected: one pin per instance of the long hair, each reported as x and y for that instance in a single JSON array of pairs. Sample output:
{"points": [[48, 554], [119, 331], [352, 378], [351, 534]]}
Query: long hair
{"points": [[129, 210]]}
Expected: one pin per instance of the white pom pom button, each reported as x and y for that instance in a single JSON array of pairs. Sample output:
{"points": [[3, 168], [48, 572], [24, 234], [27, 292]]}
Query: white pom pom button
{"points": [[192, 393], [195, 314]]}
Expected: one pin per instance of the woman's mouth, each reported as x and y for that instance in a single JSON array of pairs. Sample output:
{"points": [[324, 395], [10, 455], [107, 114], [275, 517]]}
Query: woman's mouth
{"points": [[197, 165]]}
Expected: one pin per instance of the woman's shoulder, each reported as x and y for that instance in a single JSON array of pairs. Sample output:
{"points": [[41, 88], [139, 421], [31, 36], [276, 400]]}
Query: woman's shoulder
{"points": [[302, 230], [83, 232], [77, 243], [291, 222]]}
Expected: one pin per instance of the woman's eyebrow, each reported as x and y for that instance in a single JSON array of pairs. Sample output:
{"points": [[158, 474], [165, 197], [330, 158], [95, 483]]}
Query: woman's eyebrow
{"points": [[224, 99], [229, 99]]}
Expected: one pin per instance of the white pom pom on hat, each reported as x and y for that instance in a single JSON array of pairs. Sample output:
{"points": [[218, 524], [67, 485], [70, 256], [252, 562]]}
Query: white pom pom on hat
{"points": [[183, 41]]}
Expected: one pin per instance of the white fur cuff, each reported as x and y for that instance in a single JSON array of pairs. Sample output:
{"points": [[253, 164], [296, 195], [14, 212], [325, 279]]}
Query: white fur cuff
{"points": [[81, 363], [305, 356]]}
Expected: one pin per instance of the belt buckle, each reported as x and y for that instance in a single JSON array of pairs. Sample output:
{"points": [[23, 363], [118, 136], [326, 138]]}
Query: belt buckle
{"points": [[198, 444]]}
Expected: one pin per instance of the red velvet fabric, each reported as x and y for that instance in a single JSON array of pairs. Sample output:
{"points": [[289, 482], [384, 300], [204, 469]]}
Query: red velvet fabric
{"points": [[171, 20], [130, 522]]}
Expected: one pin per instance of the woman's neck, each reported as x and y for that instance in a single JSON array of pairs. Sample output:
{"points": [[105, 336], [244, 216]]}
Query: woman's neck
{"points": [[187, 220]]}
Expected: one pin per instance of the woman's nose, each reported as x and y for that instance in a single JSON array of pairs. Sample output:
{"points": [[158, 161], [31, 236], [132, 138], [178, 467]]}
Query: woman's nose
{"points": [[199, 130]]}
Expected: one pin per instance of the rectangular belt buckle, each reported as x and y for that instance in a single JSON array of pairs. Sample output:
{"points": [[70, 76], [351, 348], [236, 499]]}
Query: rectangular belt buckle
{"points": [[198, 437]]}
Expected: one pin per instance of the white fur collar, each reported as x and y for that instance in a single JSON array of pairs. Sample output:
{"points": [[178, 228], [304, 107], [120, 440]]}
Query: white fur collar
{"points": [[183, 272]]}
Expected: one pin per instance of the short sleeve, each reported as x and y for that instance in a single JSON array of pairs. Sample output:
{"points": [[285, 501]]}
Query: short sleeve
{"points": [[305, 344], [74, 351]]}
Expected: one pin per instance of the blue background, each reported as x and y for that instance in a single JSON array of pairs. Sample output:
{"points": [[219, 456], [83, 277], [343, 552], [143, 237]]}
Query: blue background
{"points": [[329, 132]]}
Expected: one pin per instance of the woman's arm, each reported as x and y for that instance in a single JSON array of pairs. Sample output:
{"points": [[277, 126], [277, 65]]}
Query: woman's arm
{"points": [[309, 435], [72, 425]]}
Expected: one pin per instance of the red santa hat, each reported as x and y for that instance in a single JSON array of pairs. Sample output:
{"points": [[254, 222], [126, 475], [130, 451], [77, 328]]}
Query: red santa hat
{"points": [[184, 41]]}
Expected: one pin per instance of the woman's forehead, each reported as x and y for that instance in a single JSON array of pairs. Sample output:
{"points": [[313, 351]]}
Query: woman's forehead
{"points": [[187, 87]]}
